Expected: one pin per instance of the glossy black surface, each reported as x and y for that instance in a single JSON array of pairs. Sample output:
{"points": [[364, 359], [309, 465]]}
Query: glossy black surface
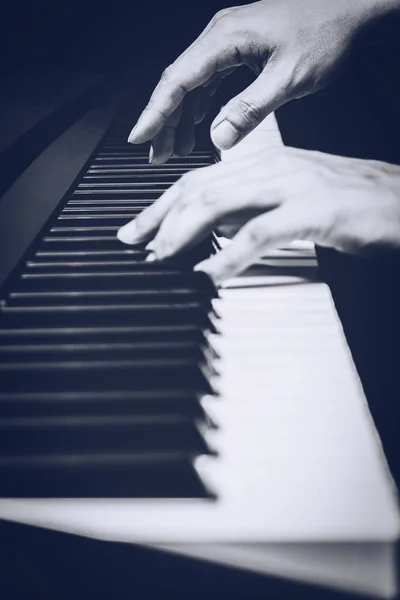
{"points": [[103, 356]]}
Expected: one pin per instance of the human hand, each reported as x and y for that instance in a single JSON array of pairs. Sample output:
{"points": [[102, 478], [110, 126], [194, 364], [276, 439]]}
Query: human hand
{"points": [[295, 47], [275, 196]]}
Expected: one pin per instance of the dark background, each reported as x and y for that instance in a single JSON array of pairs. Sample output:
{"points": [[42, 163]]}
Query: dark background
{"points": [[94, 33], [358, 116]]}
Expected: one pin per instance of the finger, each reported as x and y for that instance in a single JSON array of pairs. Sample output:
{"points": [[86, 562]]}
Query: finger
{"points": [[175, 83], [203, 104], [162, 146], [192, 69], [244, 112], [188, 50], [270, 230], [208, 91], [184, 119], [204, 199], [185, 131], [232, 222], [148, 221], [227, 231]]}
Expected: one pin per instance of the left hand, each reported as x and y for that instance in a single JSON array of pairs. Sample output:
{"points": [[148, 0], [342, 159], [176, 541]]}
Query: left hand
{"points": [[275, 196]]}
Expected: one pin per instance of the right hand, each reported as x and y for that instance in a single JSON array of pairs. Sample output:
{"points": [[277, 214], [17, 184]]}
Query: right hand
{"points": [[295, 47]]}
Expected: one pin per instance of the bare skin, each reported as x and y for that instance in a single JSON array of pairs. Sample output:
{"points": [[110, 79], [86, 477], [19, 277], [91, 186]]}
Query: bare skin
{"points": [[295, 47]]}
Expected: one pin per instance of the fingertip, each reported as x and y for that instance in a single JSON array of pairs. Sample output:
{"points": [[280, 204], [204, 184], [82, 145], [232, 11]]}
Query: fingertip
{"points": [[183, 149], [128, 234], [131, 138], [137, 135], [224, 135], [159, 160], [150, 246], [123, 235], [145, 129], [206, 267]]}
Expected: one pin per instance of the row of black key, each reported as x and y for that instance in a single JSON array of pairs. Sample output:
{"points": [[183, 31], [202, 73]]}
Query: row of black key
{"points": [[104, 357]]}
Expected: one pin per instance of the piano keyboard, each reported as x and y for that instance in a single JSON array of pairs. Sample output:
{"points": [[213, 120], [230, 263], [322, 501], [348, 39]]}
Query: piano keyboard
{"points": [[103, 356], [270, 424]]}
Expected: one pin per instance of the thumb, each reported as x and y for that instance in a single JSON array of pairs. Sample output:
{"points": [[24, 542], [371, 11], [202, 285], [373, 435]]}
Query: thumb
{"points": [[245, 111]]}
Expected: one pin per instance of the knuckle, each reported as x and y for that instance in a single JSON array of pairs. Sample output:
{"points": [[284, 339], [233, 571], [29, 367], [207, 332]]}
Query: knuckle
{"points": [[250, 112], [197, 190], [183, 202], [231, 264], [186, 180], [255, 235], [172, 75], [184, 147], [223, 19], [168, 73], [143, 222], [221, 14], [208, 199], [302, 77], [186, 186]]}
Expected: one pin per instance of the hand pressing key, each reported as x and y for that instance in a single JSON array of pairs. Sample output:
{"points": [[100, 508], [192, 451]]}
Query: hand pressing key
{"points": [[294, 47], [273, 197]]}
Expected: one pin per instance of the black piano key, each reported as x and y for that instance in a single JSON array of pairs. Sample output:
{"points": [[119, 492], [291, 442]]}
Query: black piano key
{"points": [[102, 375], [106, 209], [103, 315], [103, 357], [128, 151], [115, 186], [92, 255], [102, 403], [107, 297], [94, 434], [114, 192], [19, 353], [123, 162], [144, 280], [111, 195], [126, 163], [101, 476], [96, 220], [67, 233], [94, 266], [135, 171], [136, 202], [59, 266], [166, 178], [88, 335], [84, 240]]}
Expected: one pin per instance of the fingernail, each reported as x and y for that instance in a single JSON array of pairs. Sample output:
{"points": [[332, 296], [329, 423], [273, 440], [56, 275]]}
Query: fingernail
{"points": [[150, 246], [151, 154], [128, 233], [224, 135], [150, 258], [136, 135]]}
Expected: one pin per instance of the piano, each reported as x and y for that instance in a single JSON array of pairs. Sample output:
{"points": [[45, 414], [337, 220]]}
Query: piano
{"points": [[140, 404]]}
